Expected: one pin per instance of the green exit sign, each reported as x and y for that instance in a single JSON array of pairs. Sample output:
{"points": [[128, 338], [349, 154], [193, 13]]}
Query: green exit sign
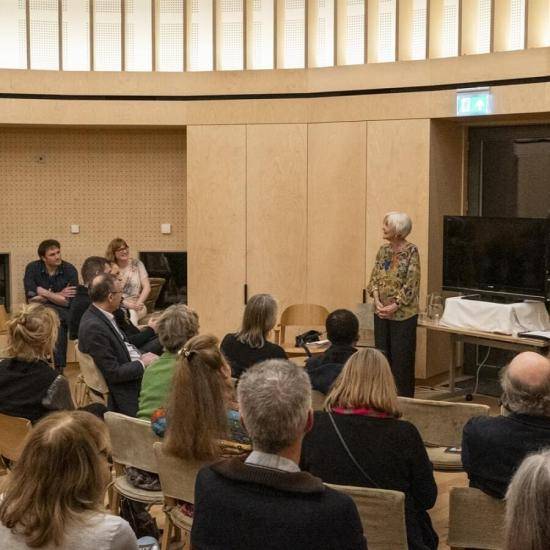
{"points": [[474, 102]]}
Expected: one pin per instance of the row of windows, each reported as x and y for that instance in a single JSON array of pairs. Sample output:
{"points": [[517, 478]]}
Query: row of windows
{"points": [[203, 35]]}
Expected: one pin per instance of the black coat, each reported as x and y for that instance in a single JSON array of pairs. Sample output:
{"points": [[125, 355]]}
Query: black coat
{"points": [[98, 338], [390, 451], [239, 506], [324, 369], [493, 447]]}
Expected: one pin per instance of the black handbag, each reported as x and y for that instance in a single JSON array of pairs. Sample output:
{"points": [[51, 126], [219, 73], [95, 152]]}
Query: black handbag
{"points": [[307, 338]]}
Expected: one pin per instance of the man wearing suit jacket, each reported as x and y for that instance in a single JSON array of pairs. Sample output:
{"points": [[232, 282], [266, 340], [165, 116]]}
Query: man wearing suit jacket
{"points": [[121, 363]]}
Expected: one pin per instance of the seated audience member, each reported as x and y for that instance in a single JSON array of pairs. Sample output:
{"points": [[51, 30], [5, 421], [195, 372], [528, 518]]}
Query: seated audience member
{"points": [[343, 332], [267, 502], [120, 362], [135, 280], [528, 505], [494, 446], [175, 326], [145, 339], [203, 417], [29, 386], [250, 345], [52, 282], [54, 496], [361, 410]]}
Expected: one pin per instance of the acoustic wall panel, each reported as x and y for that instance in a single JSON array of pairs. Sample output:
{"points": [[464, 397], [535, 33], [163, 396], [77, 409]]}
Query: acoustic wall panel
{"points": [[293, 34], [200, 36], [13, 34], [107, 35], [230, 40]]}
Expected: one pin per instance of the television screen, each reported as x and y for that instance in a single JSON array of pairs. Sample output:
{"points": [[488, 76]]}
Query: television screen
{"points": [[504, 255]]}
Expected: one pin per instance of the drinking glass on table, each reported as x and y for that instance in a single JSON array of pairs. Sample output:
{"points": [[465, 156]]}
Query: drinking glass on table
{"points": [[435, 307]]}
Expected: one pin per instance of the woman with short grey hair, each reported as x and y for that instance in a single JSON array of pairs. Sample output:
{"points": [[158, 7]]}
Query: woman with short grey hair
{"points": [[250, 345], [175, 326], [528, 505], [394, 285]]}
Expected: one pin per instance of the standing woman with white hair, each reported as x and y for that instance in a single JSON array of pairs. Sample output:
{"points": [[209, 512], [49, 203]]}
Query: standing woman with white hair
{"points": [[394, 286]]}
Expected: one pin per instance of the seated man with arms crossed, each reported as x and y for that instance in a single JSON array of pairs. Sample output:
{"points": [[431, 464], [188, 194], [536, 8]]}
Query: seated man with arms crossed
{"points": [[267, 502], [120, 362], [343, 332], [52, 282], [494, 447]]}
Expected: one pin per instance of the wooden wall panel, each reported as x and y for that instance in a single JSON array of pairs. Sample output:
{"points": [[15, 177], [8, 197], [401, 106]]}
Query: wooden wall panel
{"points": [[277, 211], [216, 175], [110, 182], [398, 165], [336, 213]]}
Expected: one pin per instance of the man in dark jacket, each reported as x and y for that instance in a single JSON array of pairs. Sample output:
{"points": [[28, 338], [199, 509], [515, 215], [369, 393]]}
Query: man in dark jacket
{"points": [[120, 362], [343, 332], [267, 502], [494, 447], [145, 340]]}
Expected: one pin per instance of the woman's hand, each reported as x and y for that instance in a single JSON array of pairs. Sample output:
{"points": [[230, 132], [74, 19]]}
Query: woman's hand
{"points": [[386, 312], [131, 304]]}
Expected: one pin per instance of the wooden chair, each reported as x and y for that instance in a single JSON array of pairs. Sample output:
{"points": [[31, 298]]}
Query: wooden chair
{"points": [[13, 431], [132, 445], [90, 384], [308, 315], [382, 514], [440, 424], [317, 400], [156, 287], [177, 479], [476, 520]]}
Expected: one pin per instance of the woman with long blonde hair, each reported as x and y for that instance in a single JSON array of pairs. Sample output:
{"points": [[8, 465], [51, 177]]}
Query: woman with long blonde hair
{"points": [[29, 385], [250, 345], [54, 496], [368, 444]]}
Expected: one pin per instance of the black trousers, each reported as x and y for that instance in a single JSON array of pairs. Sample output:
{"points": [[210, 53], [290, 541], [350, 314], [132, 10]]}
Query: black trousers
{"points": [[397, 339], [60, 350]]}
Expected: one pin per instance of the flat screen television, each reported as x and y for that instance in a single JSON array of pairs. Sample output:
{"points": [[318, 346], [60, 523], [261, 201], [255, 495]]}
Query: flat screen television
{"points": [[499, 256]]}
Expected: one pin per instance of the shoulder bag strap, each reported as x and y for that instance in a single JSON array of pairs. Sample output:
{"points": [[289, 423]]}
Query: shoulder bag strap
{"points": [[357, 465]]}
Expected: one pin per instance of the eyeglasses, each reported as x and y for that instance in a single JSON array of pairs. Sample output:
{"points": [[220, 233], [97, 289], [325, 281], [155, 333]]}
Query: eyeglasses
{"points": [[123, 249], [116, 292]]}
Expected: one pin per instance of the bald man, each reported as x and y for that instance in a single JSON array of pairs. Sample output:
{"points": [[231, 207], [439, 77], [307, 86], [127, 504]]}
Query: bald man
{"points": [[493, 447]]}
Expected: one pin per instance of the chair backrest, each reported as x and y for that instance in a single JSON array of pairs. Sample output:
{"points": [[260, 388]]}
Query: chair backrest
{"points": [[177, 476], [13, 431], [91, 374], [308, 315], [317, 400], [476, 520], [440, 422], [382, 514], [132, 441], [156, 287]]}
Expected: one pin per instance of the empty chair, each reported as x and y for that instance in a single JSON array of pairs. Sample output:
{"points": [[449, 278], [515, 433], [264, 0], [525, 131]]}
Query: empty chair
{"points": [[13, 431], [90, 385], [308, 315], [132, 445], [382, 514], [476, 520], [177, 479], [440, 424], [157, 283]]}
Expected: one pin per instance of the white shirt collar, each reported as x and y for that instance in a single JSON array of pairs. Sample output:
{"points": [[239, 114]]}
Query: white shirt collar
{"points": [[274, 462]]}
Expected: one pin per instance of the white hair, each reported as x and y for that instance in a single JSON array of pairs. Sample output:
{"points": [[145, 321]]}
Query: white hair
{"points": [[274, 398], [528, 505], [399, 222]]}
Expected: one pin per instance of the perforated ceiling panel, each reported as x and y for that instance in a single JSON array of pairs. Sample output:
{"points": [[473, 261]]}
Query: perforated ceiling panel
{"points": [[169, 35], [107, 35], [354, 45], [419, 25], [230, 29], [294, 34], [261, 34], [138, 37], [76, 35], [386, 30]]}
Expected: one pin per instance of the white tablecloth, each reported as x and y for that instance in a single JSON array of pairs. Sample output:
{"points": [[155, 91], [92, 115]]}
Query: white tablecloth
{"points": [[490, 317]]}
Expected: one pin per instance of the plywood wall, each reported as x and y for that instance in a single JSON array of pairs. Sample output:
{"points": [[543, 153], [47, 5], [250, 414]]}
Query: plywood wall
{"points": [[110, 182]]}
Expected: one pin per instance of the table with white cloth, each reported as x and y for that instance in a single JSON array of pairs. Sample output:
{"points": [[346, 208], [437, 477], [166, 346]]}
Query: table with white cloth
{"points": [[488, 324]]}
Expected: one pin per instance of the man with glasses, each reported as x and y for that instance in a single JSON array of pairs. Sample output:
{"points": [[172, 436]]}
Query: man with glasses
{"points": [[120, 362], [52, 282]]}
